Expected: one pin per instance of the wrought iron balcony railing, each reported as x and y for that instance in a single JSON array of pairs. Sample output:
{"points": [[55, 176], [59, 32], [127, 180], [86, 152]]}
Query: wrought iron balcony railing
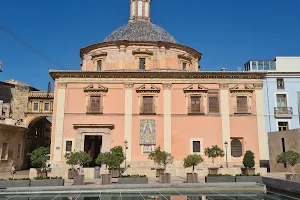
{"points": [[94, 109], [196, 110], [242, 110], [147, 109], [283, 111]]}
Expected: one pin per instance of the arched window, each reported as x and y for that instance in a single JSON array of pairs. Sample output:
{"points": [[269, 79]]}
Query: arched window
{"points": [[236, 148]]}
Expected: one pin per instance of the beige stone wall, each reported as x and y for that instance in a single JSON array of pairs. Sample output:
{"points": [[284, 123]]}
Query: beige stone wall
{"points": [[292, 142], [121, 57], [13, 136]]}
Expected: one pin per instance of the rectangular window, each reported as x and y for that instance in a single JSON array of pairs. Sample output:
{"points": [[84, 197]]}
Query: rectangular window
{"points": [[46, 106], [99, 65], [35, 106], [95, 104], [195, 104], [4, 152], [281, 103], [142, 63], [147, 107], [184, 66], [68, 146], [283, 126], [242, 104], [196, 147], [213, 104], [280, 83], [19, 150]]}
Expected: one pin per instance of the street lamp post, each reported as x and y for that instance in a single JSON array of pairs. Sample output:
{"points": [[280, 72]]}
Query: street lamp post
{"points": [[126, 147], [226, 145]]}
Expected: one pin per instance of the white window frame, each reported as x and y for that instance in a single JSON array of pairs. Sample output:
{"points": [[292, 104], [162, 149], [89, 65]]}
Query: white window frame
{"points": [[201, 146], [286, 96], [6, 155], [65, 145], [48, 107], [283, 120], [37, 107]]}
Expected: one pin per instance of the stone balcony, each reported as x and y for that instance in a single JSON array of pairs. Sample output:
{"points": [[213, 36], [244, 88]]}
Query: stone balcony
{"points": [[283, 112]]}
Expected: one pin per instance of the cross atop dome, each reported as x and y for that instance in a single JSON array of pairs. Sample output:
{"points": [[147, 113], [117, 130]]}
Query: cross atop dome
{"points": [[140, 10]]}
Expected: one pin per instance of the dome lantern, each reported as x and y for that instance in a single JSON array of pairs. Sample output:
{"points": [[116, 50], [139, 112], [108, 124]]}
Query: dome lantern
{"points": [[140, 10]]}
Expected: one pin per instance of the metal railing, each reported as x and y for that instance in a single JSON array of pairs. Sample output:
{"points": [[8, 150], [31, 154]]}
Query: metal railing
{"points": [[94, 109], [196, 110], [147, 110], [242, 110], [283, 110]]}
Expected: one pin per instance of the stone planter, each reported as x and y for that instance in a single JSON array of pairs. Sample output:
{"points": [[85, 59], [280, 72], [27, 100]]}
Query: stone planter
{"points": [[220, 179], [72, 173], [256, 179], [41, 174], [14, 183], [165, 178], [78, 180], [192, 178], [248, 171], [213, 170], [106, 179], [293, 177], [47, 182], [159, 171], [115, 173], [137, 180]]}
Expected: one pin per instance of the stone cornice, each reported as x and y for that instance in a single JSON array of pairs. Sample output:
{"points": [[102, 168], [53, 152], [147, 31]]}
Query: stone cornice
{"points": [[155, 74], [41, 94], [143, 89], [110, 126]]}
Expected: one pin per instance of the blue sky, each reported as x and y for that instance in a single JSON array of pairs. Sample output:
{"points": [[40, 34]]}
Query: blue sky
{"points": [[228, 33]]}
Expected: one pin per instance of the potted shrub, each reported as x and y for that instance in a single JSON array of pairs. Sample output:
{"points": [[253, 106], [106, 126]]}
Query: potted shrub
{"points": [[78, 159], [116, 159], [103, 159], [249, 164], [133, 179], [162, 158], [213, 153], [156, 158], [192, 161], [72, 172], [39, 159], [290, 158]]}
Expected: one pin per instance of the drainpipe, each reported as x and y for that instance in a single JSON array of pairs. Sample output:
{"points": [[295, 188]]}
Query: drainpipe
{"points": [[268, 100]]}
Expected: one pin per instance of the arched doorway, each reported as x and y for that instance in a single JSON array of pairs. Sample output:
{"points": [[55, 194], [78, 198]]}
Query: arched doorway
{"points": [[37, 135]]}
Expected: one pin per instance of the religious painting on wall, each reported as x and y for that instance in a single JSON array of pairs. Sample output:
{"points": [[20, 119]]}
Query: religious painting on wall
{"points": [[147, 132]]}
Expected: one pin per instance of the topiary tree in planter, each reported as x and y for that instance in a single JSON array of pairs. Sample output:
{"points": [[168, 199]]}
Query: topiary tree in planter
{"points": [[115, 160], [39, 159], [77, 160], [104, 159], [155, 156], [290, 158], [249, 163], [192, 161], [213, 153]]}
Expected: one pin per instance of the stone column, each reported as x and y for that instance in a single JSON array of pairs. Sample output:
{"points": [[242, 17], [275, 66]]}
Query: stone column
{"points": [[262, 140], [128, 119], [224, 94], [59, 121], [167, 117], [162, 57]]}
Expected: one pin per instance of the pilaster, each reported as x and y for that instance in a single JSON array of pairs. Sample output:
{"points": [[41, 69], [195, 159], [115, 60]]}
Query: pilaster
{"points": [[167, 118], [128, 119], [224, 95], [59, 121], [262, 140]]}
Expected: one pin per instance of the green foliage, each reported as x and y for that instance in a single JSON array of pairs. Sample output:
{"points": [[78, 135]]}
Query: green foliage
{"points": [[113, 159], [248, 160], [161, 158], [214, 175], [78, 158], [39, 157], [192, 161], [290, 157], [17, 179], [133, 176], [214, 152], [47, 178], [248, 174]]}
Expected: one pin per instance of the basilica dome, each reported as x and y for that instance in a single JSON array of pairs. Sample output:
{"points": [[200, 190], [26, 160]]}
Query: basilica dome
{"points": [[140, 30]]}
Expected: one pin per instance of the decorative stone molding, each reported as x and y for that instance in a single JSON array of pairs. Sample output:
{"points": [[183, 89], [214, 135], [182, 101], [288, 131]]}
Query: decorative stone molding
{"points": [[258, 86], [199, 89], [143, 89], [167, 86], [98, 55], [62, 85], [140, 52], [109, 126], [91, 89], [237, 89], [224, 86], [122, 48], [128, 85], [41, 94], [185, 57]]}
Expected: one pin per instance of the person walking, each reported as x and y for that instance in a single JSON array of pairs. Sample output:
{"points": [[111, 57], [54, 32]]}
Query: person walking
{"points": [[13, 171]]}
